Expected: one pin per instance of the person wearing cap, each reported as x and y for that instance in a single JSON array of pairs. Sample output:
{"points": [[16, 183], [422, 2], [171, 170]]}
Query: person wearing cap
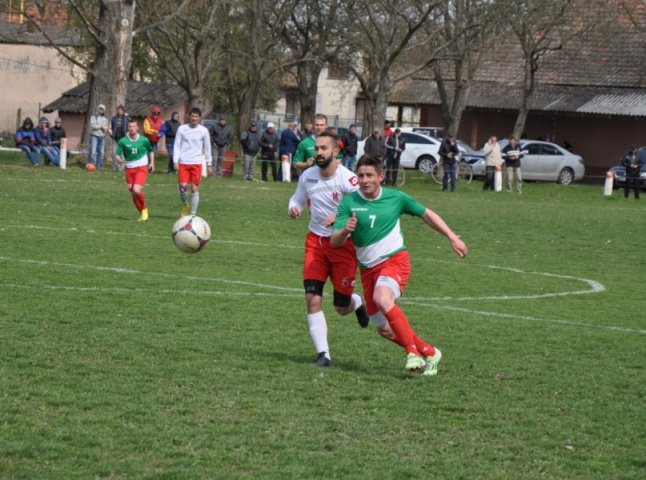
{"points": [[26, 141], [289, 140], [44, 142], [154, 127], [58, 132], [250, 141], [118, 130], [268, 147], [221, 136], [98, 128], [375, 145], [632, 162], [350, 142]]}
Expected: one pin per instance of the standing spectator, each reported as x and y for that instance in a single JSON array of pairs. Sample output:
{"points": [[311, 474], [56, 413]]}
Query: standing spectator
{"points": [[321, 189], [306, 151], [192, 142], [221, 136], [350, 141], [632, 163], [98, 129], [375, 145], [44, 142], [250, 141], [170, 131], [307, 130], [449, 153], [493, 161], [136, 153], [371, 219], [118, 130], [395, 145], [268, 147], [154, 127], [58, 132], [388, 131], [289, 140], [512, 155], [26, 141]]}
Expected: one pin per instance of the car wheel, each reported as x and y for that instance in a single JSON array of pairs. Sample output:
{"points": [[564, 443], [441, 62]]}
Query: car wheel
{"points": [[566, 176], [425, 164]]}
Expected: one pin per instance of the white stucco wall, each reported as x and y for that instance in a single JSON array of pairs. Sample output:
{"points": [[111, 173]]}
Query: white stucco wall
{"points": [[31, 76]]}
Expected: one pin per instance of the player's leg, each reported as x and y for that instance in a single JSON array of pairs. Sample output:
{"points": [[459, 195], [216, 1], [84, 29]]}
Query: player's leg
{"points": [[343, 271]]}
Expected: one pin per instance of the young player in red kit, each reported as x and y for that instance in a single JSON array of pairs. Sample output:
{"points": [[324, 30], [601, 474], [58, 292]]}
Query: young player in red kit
{"points": [[136, 152]]}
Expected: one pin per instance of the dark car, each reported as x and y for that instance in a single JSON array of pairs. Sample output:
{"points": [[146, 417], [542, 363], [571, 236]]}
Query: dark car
{"points": [[619, 171]]}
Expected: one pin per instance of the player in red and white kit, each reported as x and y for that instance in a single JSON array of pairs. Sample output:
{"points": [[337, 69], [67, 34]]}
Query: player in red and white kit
{"points": [[321, 188], [192, 143]]}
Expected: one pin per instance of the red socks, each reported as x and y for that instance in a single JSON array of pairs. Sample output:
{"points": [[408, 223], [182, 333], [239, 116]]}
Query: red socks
{"points": [[405, 336]]}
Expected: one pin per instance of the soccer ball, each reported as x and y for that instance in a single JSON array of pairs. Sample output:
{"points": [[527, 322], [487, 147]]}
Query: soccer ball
{"points": [[191, 233], [90, 167]]}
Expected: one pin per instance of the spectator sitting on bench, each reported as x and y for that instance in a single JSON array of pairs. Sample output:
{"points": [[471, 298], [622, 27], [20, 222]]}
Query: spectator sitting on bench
{"points": [[44, 142], [26, 141]]}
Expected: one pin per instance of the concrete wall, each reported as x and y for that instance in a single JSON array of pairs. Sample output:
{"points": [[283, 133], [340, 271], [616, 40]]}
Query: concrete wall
{"points": [[31, 77]]}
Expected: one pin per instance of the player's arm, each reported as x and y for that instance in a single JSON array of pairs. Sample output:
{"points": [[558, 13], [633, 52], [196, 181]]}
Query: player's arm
{"points": [[206, 142], [178, 146], [343, 226], [298, 201], [118, 154], [300, 162], [434, 221]]}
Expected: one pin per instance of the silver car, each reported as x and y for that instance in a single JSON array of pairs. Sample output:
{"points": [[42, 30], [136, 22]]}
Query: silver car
{"points": [[421, 152], [547, 161]]}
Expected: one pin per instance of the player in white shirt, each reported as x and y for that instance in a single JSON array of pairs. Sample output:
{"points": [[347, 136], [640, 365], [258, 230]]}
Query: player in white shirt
{"points": [[321, 188], [192, 143]]}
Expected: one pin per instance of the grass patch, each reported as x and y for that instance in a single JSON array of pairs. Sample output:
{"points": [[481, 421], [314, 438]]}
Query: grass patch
{"points": [[124, 358]]}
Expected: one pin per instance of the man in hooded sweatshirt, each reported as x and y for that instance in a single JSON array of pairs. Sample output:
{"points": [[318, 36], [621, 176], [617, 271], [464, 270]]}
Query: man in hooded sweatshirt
{"points": [[99, 126]]}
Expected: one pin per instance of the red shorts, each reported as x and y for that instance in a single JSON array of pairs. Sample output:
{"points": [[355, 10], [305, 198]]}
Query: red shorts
{"points": [[323, 261], [136, 176], [191, 173], [396, 267]]}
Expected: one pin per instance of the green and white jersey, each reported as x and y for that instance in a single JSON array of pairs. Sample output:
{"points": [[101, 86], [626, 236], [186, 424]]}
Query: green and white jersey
{"points": [[134, 151], [306, 149], [378, 234]]}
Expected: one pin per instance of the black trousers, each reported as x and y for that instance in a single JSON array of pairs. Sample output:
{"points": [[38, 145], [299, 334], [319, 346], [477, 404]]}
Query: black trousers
{"points": [[269, 161], [634, 183]]}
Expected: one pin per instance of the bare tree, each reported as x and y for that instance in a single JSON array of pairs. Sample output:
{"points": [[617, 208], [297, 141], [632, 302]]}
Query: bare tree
{"points": [[310, 35], [464, 29], [385, 33]]}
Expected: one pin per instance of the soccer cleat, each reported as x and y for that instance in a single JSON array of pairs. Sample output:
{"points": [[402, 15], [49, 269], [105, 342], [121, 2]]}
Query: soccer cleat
{"points": [[362, 315], [432, 363], [322, 360], [414, 363], [185, 210], [144, 215]]}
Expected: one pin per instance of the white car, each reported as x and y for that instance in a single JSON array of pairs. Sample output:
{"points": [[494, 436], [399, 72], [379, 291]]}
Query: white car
{"points": [[421, 152], [545, 161]]}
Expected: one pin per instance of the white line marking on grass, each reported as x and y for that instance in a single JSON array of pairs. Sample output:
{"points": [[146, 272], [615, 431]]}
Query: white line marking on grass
{"points": [[526, 317], [154, 274]]}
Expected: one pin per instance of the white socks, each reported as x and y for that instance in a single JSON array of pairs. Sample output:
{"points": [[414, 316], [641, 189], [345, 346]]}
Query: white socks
{"points": [[318, 332]]}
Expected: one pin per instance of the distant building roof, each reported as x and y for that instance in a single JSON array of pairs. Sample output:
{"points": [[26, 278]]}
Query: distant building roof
{"points": [[139, 99], [24, 34]]}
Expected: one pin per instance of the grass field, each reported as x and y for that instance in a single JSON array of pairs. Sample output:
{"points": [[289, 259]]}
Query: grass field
{"points": [[123, 358]]}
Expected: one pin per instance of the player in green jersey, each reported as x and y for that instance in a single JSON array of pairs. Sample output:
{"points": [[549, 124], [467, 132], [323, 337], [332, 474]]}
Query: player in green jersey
{"points": [[371, 217], [306, 150], [136, 153]]}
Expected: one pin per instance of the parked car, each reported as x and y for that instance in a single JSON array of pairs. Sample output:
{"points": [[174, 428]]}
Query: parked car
{"points": [[545, 161], [421, 153], [435, 132], [619, 172], [475, 158]]}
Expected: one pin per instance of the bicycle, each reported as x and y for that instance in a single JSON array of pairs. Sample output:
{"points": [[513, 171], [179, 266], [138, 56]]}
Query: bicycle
{"points": [[463, 174], [401, 176]]}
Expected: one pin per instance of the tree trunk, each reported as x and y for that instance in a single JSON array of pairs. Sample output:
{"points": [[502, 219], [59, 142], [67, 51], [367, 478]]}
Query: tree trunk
{"points": [[109, 72], [307, 78], [528, 90]]}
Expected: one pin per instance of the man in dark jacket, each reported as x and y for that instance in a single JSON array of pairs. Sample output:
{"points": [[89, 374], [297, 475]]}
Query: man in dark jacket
{"points": [[632, 163], [375, 145], [221, 136], [395, 145], [171, 127], [250, 141], [449, 153], [268, 146], [350, 141], [118, 130]]}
